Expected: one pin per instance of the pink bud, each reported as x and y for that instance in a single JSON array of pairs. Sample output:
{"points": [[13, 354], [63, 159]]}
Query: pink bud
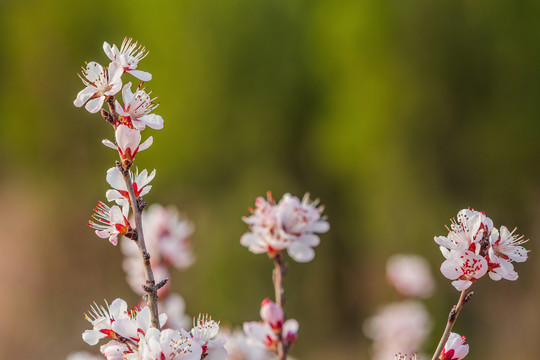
{"points": [[290, 331], [272, 314]]}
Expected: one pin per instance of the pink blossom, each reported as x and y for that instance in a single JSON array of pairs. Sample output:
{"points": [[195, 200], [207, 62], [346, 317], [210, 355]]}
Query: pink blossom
{"points": [[205, 331], [272, 314], [398, 327], [291, 224], [505, 248], [260, 334], [465, 234], [120, 193], [169, 344], [455, 348], [110, 222], [239, 347], [116, 322], [137, 109], [410, 275], [128, 57], [465, 267], [100, 82], [128, 143]]}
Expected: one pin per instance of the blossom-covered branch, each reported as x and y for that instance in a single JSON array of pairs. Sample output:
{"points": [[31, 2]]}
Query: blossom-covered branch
{"points": [[289, 225]]}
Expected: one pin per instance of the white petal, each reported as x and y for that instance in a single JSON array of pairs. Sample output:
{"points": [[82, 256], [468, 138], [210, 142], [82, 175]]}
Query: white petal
{"points": [[127, 138], [127, 95], [450, 269], [84, 95], [91, 337], [94, 105], [461, 285], [300, 252], [118, 308], [153, 121], [114, 195], [145, 190], [141, 75], [109, 143], [108, 51], [145, 145], [116, 179]]}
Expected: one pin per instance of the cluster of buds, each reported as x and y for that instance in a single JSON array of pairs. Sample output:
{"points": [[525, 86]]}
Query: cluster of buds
{"points": [[473, 247], [290, 224], [272, 329]]}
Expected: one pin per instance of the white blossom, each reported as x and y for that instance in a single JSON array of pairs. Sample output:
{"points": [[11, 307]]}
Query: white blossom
{"points": [[128, 57], [100, 82]]}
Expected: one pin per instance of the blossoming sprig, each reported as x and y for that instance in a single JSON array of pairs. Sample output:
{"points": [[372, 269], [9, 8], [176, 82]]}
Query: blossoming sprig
{"points": [[273, 330], [292, 225], [472, 248]]}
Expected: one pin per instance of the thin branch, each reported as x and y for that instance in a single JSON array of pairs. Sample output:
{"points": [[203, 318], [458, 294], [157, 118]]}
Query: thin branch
{"points": [[150, 287], [452, 317], [280, 269]]}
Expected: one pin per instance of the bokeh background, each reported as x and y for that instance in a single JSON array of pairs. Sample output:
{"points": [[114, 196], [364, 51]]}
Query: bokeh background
{"points": [[396, 114]]}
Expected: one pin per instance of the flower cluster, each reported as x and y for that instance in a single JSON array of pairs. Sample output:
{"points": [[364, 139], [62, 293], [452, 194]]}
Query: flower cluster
{"points": [[473, 247], [131, 336], [290, 224], [272, 329]]}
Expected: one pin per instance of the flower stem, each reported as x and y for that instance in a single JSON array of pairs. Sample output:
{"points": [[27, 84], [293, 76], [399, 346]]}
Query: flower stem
{"points": [[150, 287], [452, 317], [280, 269]]}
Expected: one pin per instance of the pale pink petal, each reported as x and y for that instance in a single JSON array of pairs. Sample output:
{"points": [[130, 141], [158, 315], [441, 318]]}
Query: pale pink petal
{"points": [[84, 95], [127, 95], [108, 51], [120, 110], [153, 121], [461, 285], [141, 75], [94, 105], [116, 179], [145, 190], [92, 337], [145, 145], [109, 143], [450, 269], [309, 239], [300, 252]]}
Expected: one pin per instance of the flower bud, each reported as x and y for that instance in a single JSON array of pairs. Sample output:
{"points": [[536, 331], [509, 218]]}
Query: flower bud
{"points": [[272, 314]]}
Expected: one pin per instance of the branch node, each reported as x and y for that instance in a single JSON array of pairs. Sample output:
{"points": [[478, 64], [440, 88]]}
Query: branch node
{"points": [[141, 204], [161, 284]]}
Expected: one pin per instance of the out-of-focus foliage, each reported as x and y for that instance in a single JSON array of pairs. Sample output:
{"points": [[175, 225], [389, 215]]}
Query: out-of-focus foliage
{"points": [[395, 113]]}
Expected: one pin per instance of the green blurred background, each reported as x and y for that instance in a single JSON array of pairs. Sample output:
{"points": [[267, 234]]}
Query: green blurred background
{"points": [[396, 114]]}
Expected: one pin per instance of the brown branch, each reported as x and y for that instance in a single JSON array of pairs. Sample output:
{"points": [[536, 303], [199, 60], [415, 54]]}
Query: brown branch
{"points": [[452, 317], [280, 269], [150, 286]]}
